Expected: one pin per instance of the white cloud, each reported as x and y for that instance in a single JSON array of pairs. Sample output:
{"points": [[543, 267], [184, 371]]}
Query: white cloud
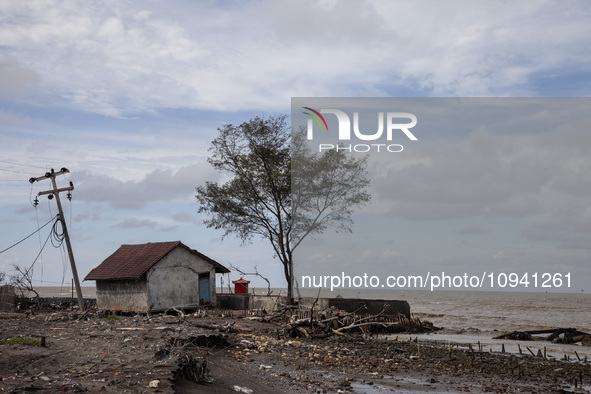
{"points": [[489, 174], [121, 59], [159, 185], [136, 223], [15, 80], [472, 229]]}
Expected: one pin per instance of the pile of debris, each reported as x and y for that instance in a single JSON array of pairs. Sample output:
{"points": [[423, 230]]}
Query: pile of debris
{"points": [[191, 355], [301, 322], [557, 335]]}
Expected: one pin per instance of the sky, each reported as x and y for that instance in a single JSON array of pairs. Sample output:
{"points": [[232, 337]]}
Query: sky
{"points": [[129, 95], [488, 187]]}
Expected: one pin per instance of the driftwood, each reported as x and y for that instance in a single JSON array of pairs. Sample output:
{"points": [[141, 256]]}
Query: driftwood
{"points": [[178, 311], [228, 327], [308, 323], [569, 335], [284, 309]]}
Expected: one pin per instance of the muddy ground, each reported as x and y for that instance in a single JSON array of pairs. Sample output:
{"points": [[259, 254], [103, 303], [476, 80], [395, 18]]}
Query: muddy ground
{"points": [[144, 354]]}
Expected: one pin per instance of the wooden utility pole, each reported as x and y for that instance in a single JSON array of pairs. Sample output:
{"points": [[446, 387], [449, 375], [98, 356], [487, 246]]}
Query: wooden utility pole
{"points": [[56, 192]]}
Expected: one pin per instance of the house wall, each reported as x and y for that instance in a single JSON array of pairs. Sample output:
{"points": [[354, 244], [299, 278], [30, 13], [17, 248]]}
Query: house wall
{"points": [[122, 295], [174, 280]]}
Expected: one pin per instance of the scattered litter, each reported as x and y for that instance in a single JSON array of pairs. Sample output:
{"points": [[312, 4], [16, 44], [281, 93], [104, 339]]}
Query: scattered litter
{"points": [[265, 366], [241, 389], [154, 384]]}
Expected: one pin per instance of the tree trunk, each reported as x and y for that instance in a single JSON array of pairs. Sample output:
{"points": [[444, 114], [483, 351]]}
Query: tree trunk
{"points": [[290, 285]]}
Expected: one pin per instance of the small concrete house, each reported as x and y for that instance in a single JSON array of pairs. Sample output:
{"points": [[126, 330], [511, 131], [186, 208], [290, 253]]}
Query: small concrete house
{"points": [[155, 276]]}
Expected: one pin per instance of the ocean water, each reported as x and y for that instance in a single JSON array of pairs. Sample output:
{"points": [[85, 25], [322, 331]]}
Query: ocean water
{"points": [[485, 310], [472, 317]]}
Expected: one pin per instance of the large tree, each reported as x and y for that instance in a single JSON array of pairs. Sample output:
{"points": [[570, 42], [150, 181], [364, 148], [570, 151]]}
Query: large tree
{"points": [[259, 200]]}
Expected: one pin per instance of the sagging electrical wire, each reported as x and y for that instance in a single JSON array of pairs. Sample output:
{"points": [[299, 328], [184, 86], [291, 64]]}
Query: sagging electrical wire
{"points": [[43, 247], [30, 235], [19, 164], [58, 236]]}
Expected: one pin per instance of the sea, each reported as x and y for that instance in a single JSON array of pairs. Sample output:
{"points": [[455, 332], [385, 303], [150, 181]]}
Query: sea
{"points": [[466, 317], [476, 317]]}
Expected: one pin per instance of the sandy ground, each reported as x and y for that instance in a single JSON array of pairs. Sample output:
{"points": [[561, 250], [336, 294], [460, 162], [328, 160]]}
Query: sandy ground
{"points": [[95, 352]]}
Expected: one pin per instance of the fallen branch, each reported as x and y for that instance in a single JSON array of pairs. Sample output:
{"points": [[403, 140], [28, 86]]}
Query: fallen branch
{"points": [[255, 273], [280, 313], [303, 331], [366, 324], [178, 311], [228, 327]]}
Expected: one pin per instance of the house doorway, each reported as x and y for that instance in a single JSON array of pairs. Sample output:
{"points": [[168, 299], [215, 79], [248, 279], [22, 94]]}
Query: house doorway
{"points": [[204, 289]]}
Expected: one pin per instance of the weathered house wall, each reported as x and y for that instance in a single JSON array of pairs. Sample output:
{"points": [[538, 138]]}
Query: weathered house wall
{"points": [[174, 280], [122, 295]]}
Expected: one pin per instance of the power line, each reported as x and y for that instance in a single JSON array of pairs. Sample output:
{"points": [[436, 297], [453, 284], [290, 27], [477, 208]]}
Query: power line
{"points": [[41, 251], [28, 236], [19, 164], [58, 237], [17, 172], [45, 281]]}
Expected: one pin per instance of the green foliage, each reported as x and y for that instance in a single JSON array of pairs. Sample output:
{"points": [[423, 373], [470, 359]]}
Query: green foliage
{"points": [[21, 341], [326, 189], [256, 201], [112, 318]]}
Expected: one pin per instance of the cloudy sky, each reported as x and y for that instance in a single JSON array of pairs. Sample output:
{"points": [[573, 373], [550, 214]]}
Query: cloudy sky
{"points": [[128, 95], [491, 185]]}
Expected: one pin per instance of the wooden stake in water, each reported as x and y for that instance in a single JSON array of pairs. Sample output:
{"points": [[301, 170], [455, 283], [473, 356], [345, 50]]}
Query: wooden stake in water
{"points": [[502, 348], [519, 347], [532, 353]]}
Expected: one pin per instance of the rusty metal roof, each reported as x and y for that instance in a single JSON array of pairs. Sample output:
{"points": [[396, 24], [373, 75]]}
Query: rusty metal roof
{"points": [[133, 261]]}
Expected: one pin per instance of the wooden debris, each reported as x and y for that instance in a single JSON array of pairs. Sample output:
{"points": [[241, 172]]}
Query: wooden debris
{"points": [[311, 323], [557, 335]]}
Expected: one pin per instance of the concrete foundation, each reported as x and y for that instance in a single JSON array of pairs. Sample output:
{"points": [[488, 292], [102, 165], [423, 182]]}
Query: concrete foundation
{"points": [[361, 306]]}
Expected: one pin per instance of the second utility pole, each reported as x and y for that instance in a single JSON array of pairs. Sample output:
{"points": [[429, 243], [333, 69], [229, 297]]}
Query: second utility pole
{"points": [[56, 192]]}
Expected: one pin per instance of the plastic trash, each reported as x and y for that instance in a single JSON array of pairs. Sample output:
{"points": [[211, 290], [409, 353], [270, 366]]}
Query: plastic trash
{"points": [[241, 389], [154, 384]]}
